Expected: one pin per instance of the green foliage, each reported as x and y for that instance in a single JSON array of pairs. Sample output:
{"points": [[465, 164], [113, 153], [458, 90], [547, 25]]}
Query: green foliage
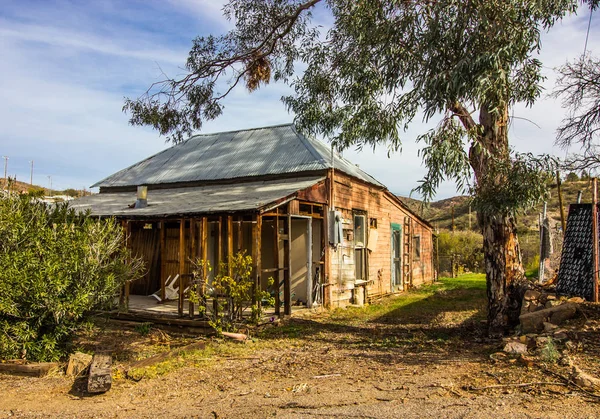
{"points": [[572, 177], [143, 328], [233, 290], [549, 352], [55, 267], [467, 246]]}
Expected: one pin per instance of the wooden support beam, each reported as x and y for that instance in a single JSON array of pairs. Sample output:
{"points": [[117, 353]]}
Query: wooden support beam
{"points": [[204, 256], [240, 237], [193, 256], [163, 245], [256, 255], [129, 248], [229, 242], [277, 275], [219, 245], [287, 273], [181, 263]]}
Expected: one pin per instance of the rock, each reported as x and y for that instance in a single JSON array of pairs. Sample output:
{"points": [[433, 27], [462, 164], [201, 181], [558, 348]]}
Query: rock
{"points": [[78, 363], [585, 380], [100, 377], [523, 339], [531, 295], [549, 327], [551, 303], [563, 313], [550, 297], [576, 300], [534, 322], [515, 348]]}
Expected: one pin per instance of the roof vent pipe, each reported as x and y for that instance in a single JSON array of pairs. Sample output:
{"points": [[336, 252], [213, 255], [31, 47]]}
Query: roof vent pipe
{"points": [[142, 197]]}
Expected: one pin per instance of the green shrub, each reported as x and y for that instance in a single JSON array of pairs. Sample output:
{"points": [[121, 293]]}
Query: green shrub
{"points": [[467, 248], [233, 288], [56, 266]]}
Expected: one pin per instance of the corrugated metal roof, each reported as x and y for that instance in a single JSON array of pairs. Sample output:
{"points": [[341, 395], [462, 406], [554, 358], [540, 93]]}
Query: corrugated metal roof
{"points": [[206, 199], [236, 154]]}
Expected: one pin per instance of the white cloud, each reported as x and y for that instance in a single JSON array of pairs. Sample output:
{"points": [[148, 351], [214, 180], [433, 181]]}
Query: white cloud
{"points": [[66, 67]]}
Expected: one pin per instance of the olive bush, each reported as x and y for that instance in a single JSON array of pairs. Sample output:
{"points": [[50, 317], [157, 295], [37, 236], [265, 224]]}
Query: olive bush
{"points": [[56, 266]]}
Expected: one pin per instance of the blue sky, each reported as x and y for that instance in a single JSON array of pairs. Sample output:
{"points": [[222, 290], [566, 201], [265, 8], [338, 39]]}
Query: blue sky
{"points": [[67, 65]]}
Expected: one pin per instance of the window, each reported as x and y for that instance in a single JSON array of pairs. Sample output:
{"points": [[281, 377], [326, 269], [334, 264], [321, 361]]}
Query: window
{"points": [[373, 222], [360, 231], [416, 247]]}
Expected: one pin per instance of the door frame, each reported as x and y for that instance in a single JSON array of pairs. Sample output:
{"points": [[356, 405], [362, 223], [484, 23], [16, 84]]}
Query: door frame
{"points": [[396, 284], [309, 252]]}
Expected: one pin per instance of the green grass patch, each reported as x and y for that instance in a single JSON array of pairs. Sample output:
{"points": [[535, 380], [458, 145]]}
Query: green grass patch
{"points": [[450, 300]]}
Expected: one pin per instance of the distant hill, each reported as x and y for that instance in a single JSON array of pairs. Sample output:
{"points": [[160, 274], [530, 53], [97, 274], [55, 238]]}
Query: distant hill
{"points": [[439, 213], [22, 187]]}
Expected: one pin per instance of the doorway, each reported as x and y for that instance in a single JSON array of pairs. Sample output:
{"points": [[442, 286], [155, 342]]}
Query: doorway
{"points": [[396, 257]]}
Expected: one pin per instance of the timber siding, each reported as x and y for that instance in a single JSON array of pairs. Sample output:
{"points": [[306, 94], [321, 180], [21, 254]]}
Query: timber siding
{"points": [[353, 196]]}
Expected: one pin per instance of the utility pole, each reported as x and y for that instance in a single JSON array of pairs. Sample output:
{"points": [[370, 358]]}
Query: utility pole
{"points": [[5, 170], [31, 175], [50, 180], [563, 222]]}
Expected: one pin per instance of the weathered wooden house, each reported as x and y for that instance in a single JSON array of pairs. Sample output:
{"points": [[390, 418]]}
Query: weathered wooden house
{"points": [[325, 230]]}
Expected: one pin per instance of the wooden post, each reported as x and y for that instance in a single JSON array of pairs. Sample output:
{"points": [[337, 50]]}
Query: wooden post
{"points": [[193, 258], [542, 264], [229, 242], [219, 245], [595, 237], [277, 265], [163, 245], [128, 246], [287, 274], [240, 235], [204, 250], [256, 254], [563, 222], [181, 263]]}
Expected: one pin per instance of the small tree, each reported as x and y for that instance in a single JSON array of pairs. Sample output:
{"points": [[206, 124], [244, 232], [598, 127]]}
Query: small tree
{"points": [[572, 177], [233, 291], [56, 266]]}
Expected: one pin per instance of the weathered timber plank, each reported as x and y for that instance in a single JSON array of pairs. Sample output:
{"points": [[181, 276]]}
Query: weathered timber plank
{"points": [[100, 377]]}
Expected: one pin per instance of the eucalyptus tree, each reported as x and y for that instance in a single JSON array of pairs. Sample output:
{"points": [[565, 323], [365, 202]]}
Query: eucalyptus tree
{"points": [[379, 66]]}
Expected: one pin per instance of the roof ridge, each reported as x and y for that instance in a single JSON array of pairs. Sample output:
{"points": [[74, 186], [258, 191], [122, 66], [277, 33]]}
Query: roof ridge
{"points": [[308, 144], [239, 130]]}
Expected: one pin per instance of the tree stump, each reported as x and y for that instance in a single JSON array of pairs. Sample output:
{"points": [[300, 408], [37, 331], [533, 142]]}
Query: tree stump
{"points": [[100, 378]]}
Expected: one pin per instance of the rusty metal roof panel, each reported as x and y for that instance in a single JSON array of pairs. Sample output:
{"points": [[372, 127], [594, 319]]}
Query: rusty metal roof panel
{"points": [[207, 199], [236, 154]]}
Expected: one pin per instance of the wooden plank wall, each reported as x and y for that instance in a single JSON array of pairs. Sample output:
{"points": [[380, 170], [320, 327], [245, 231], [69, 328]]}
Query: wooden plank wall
{"points": [[354, 195], [145, 243]]}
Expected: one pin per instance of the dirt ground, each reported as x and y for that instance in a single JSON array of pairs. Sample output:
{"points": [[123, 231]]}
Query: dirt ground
{"points": [[402, 360]]}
